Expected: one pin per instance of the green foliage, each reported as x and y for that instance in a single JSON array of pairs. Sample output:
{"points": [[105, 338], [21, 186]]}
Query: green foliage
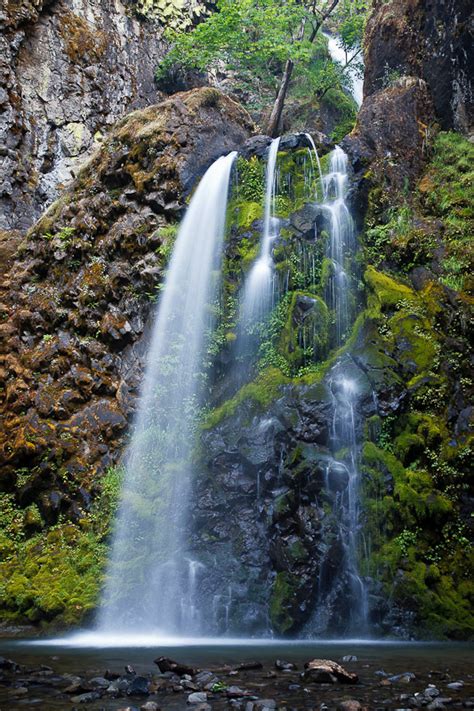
{"points": [[251, 180], [254, 41], [54, 573], [435, 226], [168, 236]]}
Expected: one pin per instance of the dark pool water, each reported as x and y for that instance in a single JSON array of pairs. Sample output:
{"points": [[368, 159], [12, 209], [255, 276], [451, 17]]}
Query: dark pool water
{"points": [[432, 663]]}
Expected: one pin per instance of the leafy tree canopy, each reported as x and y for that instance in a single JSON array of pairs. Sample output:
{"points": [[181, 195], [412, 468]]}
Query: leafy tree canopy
{"points": [[256, 39]]}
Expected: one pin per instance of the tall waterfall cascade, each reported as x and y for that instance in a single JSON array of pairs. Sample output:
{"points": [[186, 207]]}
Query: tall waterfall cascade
{"points": [[163, 574], [151, 579]]}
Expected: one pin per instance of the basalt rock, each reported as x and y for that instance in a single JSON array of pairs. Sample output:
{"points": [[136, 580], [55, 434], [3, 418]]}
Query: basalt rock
{"points": [[391, 134], [431, 41], [76, 300], [68, 71]]}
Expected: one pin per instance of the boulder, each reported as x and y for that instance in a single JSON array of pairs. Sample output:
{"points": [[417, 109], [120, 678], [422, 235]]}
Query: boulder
{"points": [[165, 664], [325, 671]]}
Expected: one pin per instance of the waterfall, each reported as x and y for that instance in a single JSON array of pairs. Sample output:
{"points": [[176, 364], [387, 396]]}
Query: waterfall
{"points": [[257, 295], [151, 580], [338, 54], [340, 584], [341, 243], [314, 152]]}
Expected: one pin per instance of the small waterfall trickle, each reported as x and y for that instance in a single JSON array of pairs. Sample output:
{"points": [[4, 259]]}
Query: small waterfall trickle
{"points": [[258, 288], [341, 243], [152, 581], [314, 152]]}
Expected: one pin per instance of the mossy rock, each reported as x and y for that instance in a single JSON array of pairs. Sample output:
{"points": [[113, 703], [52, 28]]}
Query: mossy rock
{"points": [[306, 329], [282, 602]]}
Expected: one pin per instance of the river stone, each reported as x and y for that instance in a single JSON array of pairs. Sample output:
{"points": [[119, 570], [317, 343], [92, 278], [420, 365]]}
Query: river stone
{"points": [[325, 671], [281, 665], [150, 706], [165, 664], [199, 697], [85, 698], [349, 705], [139, 686], [404, 678]]}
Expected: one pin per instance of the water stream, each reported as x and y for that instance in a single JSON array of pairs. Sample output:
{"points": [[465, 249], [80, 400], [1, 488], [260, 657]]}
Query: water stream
{"points": [[257, 294], [151, 579]]}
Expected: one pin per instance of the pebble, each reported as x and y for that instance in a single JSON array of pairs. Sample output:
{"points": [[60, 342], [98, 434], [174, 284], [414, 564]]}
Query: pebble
{"points": [[431, 691], [199, 697], [234, 692], [455, 685], [150, 706], [349, 705], [349, 658], [404, 678], [86, 698], [281, 665]]}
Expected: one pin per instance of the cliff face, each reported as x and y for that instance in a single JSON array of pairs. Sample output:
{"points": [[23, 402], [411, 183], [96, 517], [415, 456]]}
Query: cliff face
{"points": [[68, 70], [432, 41], [77, 301]]}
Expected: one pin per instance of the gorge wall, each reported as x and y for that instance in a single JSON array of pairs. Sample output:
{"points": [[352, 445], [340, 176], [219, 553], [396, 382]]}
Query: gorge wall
{"points": [[68, 70], [76, 307]]}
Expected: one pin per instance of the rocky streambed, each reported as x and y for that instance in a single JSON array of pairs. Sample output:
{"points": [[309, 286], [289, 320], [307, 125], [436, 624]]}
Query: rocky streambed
{"points": [[250, 678]]}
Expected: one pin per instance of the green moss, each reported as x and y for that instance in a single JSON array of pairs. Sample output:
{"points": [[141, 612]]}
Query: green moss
{"points": [[388, 291], [282, 602], [251, 180], [305, 335], [260, 392], [55, 574], [247, 213]]}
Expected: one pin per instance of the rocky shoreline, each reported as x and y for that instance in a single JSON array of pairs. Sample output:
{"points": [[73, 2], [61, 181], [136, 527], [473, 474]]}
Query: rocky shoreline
{"points": [[322, 684]]}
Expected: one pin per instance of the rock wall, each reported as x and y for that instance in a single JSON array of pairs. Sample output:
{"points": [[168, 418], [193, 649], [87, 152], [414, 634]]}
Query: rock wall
{"points": [[76, 301], [68, 70], [432, 41]]}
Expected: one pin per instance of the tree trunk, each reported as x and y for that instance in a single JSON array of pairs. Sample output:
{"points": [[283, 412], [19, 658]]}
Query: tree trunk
{"points": [[275, 116]]}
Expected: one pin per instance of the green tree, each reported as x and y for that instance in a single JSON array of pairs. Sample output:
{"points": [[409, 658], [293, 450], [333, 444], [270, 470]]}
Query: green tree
{"points": [[266, 42]]}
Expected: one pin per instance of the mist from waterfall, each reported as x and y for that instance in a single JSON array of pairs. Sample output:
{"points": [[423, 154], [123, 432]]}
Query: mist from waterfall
{"points": [[151, 579]]}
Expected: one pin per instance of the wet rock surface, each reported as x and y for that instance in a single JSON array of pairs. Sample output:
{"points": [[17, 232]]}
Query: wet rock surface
{"points": [[430, 41], [69, 71]]}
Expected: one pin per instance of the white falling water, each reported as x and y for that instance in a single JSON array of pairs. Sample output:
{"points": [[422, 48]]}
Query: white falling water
{"points": [[314, 152], [151, 582], [257, 296], [344, 392], [342, 240], [338, 54], [340, 587]]}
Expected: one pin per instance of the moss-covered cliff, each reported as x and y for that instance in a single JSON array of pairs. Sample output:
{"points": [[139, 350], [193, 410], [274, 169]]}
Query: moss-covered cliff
{"points": [[75, 311]]}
